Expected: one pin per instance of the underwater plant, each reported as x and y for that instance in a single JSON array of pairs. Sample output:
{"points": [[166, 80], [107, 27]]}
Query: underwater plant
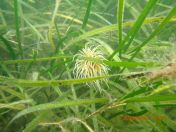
{"points": [[87, 65]]}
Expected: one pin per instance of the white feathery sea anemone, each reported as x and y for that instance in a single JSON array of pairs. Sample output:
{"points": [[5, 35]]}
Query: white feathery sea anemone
{"points": [[85, 68]]}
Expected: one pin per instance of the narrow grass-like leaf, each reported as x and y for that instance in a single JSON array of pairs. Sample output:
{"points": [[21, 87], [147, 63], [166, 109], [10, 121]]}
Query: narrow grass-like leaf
{"points": [[12, 92], [123, 63], [50, 32], [86, 17], [7, 62], [31, 126], [69, 18], [136, 92], [156, 31], [35, 30], [9, 47], [151, 98], [29, 66], [162, 88], [91, 33], [130, 64], [136, 27], [45, 83], [111, 28], [109, 63], [15, 105], [54, 105], [120, 22], [17, 23]]}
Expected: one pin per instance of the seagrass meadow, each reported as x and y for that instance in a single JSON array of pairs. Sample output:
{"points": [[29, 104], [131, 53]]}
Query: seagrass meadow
{"points": [[87, 65]]}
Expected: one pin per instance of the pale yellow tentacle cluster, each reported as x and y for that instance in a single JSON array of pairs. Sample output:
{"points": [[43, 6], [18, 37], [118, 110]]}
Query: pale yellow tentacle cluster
{"points": [[86, 68]]}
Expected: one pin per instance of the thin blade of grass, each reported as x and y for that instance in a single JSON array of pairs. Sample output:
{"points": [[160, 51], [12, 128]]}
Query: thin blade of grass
{"points": [[46, 83], [122, 63], [50, 31], [156, 31], [12, 92], [54, 105], [69, 18], [136, 92], [17, 25], [31, 125], [7, 62], [120, 22], [86, 17], [16, 105], [9, 47], [109, 63], [151, 98], [111, 28], [137, 25]]}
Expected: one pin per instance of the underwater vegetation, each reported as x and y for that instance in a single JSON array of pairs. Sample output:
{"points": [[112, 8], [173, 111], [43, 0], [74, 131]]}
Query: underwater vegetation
{"points": [[87, 65]]}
